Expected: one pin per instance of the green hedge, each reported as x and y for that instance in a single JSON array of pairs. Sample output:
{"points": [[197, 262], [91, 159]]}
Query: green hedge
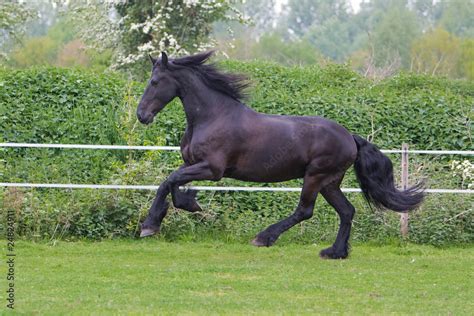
{"points": [[49, 105]]}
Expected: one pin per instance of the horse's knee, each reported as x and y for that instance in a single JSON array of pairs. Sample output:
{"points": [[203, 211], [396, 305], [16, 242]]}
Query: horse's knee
{"points": [[304, 213]]}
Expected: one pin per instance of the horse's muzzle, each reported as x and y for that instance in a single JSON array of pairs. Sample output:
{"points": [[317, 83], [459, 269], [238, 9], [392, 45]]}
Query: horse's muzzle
{"points": [[145, 118]]}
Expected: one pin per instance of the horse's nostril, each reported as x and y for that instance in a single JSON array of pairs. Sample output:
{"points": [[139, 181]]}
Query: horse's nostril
{"points": [[144, 117]]}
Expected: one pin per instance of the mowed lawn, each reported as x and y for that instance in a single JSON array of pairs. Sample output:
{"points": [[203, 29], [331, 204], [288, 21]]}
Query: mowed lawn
{"points": [[157, 277]]}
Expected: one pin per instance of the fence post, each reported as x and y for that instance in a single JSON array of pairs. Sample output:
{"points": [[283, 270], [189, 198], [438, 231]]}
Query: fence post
{"points": [[404, 216]]}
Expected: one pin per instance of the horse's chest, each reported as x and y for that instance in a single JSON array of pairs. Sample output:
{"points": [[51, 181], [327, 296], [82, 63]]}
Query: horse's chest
{"points": [[204, 144], [192, 151], [186, 147]]}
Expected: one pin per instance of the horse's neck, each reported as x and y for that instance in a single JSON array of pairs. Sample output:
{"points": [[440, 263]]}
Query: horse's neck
{"points": [[203, 105]]}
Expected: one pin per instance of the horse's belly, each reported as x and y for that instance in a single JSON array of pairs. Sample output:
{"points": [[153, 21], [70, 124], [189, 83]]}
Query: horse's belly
{"points": [[266, 172], [265, 178]]}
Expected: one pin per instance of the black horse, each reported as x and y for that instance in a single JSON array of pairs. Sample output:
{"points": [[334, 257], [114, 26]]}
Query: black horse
{"points": [[225, 138]]}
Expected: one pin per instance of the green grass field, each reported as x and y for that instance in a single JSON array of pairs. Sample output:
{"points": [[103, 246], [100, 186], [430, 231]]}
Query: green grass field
{"points": [[156, 277]]}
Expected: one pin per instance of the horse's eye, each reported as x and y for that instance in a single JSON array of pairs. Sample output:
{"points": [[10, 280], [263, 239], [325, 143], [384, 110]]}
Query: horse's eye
{"points": [[154, 82]]}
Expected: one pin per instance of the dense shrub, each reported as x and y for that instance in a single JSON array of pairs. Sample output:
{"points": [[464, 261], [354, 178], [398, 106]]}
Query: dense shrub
{"points": [[48, 105]]}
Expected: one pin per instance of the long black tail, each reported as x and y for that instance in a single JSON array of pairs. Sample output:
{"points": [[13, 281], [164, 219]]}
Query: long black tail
{"points": [[374, 172]]}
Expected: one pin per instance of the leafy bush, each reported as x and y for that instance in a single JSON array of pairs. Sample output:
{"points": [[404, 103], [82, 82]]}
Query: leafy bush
{"points": [[48, 105]]}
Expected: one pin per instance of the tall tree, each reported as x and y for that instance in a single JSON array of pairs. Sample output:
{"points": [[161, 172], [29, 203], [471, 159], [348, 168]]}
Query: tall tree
{"points": [[428, 12], [333, 38], [324, 23], [302, 14], [394, 34], [458, 17]]}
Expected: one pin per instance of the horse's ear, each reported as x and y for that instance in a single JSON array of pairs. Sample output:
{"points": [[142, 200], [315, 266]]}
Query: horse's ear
{"points": [[164, 60], [153, 60]]}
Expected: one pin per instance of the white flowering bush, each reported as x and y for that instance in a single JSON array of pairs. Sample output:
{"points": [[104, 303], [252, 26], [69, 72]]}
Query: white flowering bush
{"points": [[135, 29], [464, 170]]}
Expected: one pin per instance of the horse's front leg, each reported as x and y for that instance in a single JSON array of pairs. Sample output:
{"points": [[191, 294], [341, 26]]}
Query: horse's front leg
{"points": [[185, 200], [157, 211], [200, 171]]}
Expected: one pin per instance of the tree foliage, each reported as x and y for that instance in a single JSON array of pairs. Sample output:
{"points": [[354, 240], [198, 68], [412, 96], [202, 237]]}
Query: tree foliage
{"points": [[394, 35], [58, 47], [437, 52], [466, 62], [457, 17], [13, 16], [38, 51], [135, 29], [380, 39], [305, 13], [333, 38], [272, 47]]}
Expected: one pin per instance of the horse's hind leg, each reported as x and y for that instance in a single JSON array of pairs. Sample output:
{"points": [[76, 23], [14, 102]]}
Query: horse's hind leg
{"points": [[334, 196], [304, 211]]}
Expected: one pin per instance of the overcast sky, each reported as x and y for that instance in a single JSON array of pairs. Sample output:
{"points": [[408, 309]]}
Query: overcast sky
{"points": [[355, 4]]}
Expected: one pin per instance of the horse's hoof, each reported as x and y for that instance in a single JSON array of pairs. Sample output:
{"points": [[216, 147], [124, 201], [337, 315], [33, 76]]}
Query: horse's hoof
{"points": [[196, 207], [263, 241], [330, 253], [146, 232], [258, 243]]}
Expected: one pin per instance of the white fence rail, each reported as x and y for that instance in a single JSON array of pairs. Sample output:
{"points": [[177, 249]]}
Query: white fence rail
{"points": [[202, 188], [85, 146], [176, 148]]}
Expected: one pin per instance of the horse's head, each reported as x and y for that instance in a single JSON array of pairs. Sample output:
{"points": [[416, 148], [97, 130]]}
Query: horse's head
{"points": [[161, 90]]}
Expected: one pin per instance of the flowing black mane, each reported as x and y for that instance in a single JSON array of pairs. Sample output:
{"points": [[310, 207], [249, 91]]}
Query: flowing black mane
{"points": [[232, 85]]}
